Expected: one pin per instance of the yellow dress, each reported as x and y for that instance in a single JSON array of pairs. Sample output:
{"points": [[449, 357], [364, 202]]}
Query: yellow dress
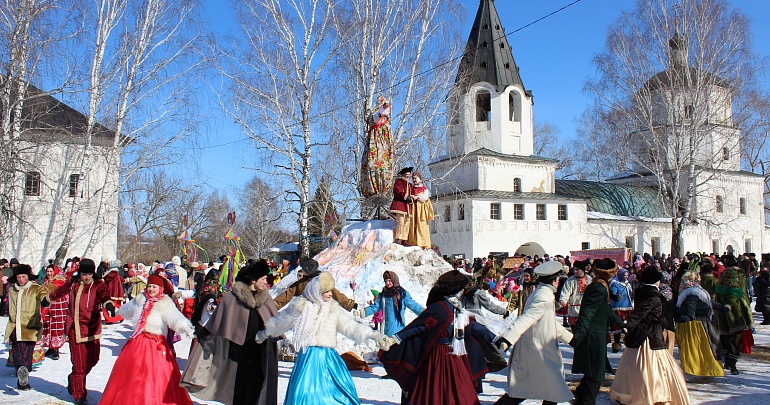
{"points": [[422, 212], [695, 350]]}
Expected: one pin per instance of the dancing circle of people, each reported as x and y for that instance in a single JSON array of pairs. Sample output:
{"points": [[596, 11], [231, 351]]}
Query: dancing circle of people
{"points": [[474, 317]]}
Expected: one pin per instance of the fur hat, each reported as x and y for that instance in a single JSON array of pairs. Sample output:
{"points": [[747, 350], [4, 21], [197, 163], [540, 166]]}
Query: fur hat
{"points": [[327, 281], [253, 271], [605, 268], [650, 275], [87, 266], [22, 269], [691, 276], [309, 267], [449, 283]]}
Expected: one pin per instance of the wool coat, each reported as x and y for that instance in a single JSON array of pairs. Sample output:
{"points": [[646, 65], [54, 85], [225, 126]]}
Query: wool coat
{"points": [[762, 288], [210, 372], [24, 311], [590, 332], [646, 321], [536, 368]]}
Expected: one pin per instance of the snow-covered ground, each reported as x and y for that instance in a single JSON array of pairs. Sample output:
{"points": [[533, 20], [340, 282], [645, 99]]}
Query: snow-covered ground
{"points": [[50, 380]]}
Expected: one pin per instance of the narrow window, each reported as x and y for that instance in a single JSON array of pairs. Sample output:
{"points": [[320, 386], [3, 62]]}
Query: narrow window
{"points": [[562, 212], [715, 246], [630, 242], [540, 213], [517, 185], [494, 211], [725, 153], [32, 183], [461, 212], [747, 246], [689, 111], [585, 245], [655, 246], [742, 205], [74, 181], [518, 212], [483, 106], [447, 213], [720, 204], [514, 107]]}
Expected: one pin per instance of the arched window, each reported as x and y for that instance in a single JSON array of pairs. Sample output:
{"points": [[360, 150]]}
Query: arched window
{"points": [[517, 185], [514, 107], [483, 106], [720, 204]]}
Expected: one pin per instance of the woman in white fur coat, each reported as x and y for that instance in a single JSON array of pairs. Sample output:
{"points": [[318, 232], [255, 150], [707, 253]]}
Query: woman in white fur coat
{"points": [[320, 376], [147, 352]]}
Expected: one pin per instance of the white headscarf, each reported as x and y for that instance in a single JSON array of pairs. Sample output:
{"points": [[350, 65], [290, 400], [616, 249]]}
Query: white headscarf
{"points": [[309, 321]]}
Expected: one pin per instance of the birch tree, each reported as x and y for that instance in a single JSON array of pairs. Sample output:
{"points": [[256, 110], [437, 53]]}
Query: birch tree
{"points": [[141, 70], [668, 88], [275, 88]]}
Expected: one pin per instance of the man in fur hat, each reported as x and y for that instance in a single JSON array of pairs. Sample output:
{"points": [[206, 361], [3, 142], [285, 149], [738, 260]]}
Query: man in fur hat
{"points": [[590, 333], [401, 207], [307, 271], [536, 368], [83, 324]]}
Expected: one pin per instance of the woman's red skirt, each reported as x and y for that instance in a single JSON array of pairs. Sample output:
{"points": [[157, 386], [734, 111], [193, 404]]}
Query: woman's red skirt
{"points": [[145, 373]]}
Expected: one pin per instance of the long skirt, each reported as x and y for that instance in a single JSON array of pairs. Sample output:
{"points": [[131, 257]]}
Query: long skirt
{"points": [[145, 373], [443, 378], [696, 351], [646, 377], [320, 377], [53, 335]]}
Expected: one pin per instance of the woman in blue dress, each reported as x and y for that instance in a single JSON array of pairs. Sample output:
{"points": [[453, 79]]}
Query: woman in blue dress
{"points": [[320, 376], [393, 301]]}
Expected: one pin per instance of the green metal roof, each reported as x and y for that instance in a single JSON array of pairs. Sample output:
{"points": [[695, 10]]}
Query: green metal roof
{"points": [[615, 199]]}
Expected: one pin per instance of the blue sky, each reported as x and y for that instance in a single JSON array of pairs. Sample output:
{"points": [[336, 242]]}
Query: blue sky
{"points": [[554, 56]]}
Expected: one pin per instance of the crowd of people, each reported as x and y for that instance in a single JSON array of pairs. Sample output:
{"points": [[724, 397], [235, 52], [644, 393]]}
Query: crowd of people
{"points": [[478, 318]]}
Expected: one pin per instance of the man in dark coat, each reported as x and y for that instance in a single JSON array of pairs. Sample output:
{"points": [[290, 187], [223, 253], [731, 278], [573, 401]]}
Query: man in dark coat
{"points": [[400, 208], [228, 365], [590, 333]]}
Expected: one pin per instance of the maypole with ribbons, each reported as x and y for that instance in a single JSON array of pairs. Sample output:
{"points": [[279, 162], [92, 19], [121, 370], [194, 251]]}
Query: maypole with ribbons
{"points": [[234, 256], [188, 247]]}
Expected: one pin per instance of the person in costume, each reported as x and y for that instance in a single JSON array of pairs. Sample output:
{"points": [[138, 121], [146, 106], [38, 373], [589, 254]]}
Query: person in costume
{"points": [[732, 323], [83, 324], [24, 321], [117, 293], [698, 340], [145, 372], [319, 376], [54, 315], [379, 149], [590, 333], [536, 368], [393, 302], [620, 299], [647, 373], [422, 212], [229, 365], [762, 288], [437, 358], [573, 290], [401, 207], [307, 272]]}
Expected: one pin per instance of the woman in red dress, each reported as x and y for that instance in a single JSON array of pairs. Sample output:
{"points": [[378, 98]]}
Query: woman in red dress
{"points": [[53, 336], [146, 371]]}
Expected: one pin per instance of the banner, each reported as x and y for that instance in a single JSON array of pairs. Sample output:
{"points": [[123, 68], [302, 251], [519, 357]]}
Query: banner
{"points": [[619, 255]]}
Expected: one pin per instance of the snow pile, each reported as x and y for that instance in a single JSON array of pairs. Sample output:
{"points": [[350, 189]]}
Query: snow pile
{"points": [[361, 253]]}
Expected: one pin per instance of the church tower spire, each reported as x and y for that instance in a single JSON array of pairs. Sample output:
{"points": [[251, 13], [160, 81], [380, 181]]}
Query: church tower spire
{"points": [[489, 107]]}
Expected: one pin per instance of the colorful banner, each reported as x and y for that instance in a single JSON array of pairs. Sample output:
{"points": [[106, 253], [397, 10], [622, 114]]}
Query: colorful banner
{"points": [[619, 255]]}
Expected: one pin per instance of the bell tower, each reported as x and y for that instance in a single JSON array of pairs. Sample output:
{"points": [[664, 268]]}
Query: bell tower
{"points": [[488, 106]]}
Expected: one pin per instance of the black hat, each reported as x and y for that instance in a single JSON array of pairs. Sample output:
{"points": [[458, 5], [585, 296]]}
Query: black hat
{"points": [[14, 261], [405, 170], [728, 260], [309, 267], [87, 266], [449, 283], [581, 264], [253, 271], [23, 269], [650, 275]]}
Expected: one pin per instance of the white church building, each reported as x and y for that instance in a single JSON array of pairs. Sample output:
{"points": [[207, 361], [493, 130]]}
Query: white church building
{"points": [[491, 194], [49, 178]]}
